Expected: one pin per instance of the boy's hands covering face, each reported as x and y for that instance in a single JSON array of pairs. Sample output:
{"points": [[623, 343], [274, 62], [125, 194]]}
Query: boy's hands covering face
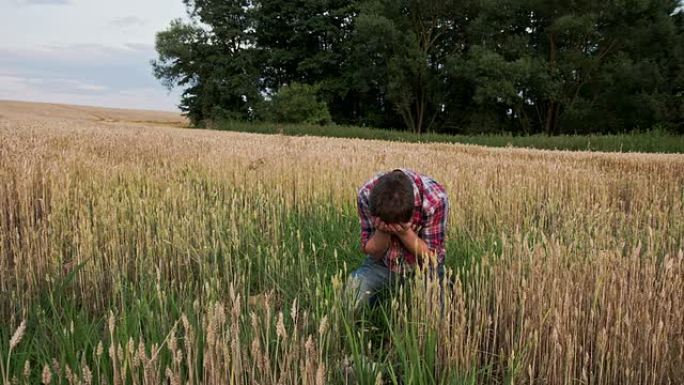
{"points": [[398, 229]]}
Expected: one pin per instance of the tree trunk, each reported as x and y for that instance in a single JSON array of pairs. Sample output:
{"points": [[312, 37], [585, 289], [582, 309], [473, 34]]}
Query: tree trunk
{"points": [[550, 127], [407, 116], [420, 115]]}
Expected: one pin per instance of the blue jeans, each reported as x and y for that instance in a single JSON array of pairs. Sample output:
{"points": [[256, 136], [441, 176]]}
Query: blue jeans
{"points": [[372, 277]]}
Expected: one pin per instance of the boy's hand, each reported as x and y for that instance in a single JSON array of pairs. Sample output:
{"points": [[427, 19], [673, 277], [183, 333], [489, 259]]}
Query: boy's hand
{"points": [[381, 226], [398, 229]]}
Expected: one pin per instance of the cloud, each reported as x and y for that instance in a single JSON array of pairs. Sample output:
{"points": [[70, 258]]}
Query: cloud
{"points": [[17, 82], [84, 74], [127, 22], [68, 91], [43, 2], [93, 55], [115, 67], [66, 85]]}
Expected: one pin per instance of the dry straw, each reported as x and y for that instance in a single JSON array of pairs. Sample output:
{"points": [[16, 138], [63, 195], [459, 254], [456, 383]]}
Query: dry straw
{"points": [[572, 272]]}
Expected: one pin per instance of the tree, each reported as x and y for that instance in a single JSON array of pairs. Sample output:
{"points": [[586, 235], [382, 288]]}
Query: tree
{"points": [[522, 66], [406, 44], [179, 64], [555, 66], [297, 103], [306, 41], [641, 86], [213, 56]]}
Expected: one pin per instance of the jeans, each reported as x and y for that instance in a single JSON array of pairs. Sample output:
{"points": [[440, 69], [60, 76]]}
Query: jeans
{"points": [[371, 278]]}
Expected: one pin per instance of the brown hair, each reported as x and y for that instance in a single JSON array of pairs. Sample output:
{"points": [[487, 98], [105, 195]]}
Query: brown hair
{"points": [[391, 199]]}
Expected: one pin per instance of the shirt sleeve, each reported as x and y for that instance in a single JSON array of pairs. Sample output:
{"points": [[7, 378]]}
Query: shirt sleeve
{"points": [[434, 231], [365, 220]]}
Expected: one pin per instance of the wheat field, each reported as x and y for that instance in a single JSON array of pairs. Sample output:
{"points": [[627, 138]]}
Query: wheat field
{"points": [[135, 251]]}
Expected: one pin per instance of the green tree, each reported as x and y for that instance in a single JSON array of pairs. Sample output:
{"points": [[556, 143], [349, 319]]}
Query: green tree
{"points": [[522, 66], [179, 65], [641, 86], [307, 41], [213, 57], [572, 67], [297, 103], [404, 46]]}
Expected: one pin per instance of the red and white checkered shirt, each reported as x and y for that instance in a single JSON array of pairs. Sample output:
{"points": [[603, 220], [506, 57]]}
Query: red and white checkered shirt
{"points": [[430, 215]]}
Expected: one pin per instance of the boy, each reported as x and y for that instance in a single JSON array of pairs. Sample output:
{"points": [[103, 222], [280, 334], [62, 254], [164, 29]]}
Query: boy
{"points": [[403, 217]]}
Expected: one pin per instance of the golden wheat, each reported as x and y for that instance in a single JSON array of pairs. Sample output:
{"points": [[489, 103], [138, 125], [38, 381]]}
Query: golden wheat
{"points": [[581, 281]]}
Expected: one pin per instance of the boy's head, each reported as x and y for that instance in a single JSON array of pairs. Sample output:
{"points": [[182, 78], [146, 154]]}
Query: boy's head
{"points": [[391, 199]]}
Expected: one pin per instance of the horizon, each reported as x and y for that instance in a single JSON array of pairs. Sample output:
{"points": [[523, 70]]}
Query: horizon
{"points": [[3, 100]]}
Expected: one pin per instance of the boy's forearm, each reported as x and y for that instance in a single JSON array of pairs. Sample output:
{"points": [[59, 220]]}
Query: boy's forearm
{"points": [[416, 246], [378, 244]]}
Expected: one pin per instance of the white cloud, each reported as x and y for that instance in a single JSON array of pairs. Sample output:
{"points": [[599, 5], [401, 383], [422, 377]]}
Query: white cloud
{"points": [[42, 2], [84, 51], [17, 83], [81, 54], [127, 22], [84, 74], [69, 91], [69, 85]]}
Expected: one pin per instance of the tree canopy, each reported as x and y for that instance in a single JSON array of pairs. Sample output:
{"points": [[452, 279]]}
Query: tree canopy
{"points": [[454, 66]]}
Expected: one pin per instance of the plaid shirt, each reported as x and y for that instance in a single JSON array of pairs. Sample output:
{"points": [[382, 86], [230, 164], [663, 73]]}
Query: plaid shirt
{"points": [[430, 215]]}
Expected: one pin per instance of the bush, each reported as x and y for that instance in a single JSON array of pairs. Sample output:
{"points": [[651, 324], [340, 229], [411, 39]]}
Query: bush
{"points": [[297, 103]]}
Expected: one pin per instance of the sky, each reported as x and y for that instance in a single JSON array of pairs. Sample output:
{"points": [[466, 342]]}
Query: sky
{"points": [[89, 52]]}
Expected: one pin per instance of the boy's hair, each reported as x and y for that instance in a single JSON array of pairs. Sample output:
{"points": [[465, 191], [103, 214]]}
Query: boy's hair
{"points": [[392, 198]]}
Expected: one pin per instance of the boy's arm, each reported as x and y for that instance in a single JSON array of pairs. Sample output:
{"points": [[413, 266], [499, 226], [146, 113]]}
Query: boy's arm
{"points": [[416, 246], [430, 244], [373, 241], [377, 244]]}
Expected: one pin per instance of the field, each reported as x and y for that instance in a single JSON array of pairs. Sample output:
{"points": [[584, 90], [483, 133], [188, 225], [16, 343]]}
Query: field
{"points": [[133, 251]]}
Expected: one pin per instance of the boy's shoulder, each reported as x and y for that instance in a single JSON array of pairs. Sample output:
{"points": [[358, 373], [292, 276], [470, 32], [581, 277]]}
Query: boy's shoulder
{"points": [[427, 183], [433, 195]]}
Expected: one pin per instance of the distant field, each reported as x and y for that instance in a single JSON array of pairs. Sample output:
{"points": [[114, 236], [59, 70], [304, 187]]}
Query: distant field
{"points": [[654, 142], [136, 252], [15, 110]]}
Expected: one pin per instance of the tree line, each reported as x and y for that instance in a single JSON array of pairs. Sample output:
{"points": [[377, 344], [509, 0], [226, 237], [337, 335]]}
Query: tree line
{"points": [[485, 66]]}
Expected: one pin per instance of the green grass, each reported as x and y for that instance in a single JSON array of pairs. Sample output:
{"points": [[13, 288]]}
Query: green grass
{"points": [[651, 141], [318, 242]]}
